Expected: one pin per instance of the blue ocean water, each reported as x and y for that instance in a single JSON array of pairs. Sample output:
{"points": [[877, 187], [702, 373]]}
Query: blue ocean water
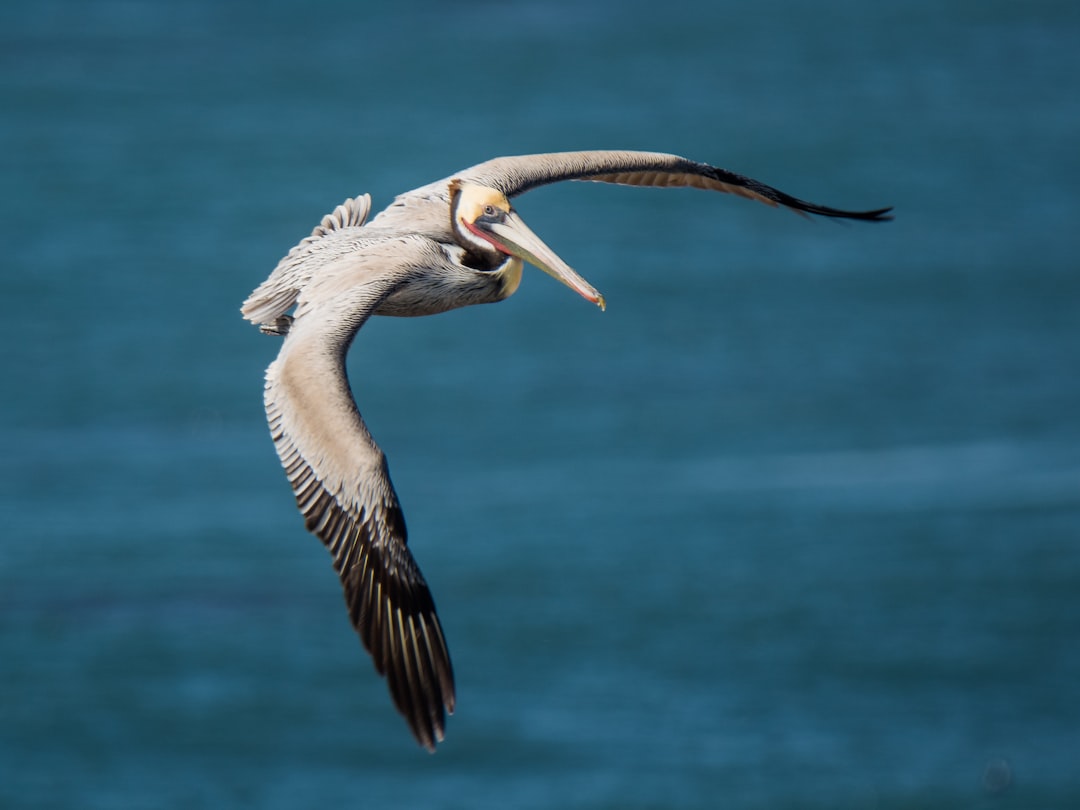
{"points": [[795, 523]]}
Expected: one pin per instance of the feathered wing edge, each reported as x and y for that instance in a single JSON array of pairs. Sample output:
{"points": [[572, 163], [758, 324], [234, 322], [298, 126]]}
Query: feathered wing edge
{"points": [[275, 296], [343, 488], [388, 600], [516, 175]]}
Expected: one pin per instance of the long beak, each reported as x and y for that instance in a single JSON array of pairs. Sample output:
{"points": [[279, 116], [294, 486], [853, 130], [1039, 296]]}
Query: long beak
{"points": [[516, 237]]}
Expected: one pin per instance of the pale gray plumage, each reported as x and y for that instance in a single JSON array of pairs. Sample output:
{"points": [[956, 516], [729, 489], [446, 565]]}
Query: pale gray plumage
{"points": [[277, 295], [448, 244]]}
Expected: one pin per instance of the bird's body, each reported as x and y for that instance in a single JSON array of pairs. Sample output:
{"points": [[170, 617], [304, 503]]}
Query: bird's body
{"points": [[449, 244]]}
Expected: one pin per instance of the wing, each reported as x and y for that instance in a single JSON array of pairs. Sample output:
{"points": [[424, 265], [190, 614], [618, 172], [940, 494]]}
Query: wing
{"points": [[276, 296], [342, 483], [516, 175]]}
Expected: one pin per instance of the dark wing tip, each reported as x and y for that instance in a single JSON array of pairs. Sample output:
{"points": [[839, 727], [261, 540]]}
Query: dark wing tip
{"points": [[876, 215], [394, 614], [388, 601], [775, 196], [413, 656], [389, 604]]}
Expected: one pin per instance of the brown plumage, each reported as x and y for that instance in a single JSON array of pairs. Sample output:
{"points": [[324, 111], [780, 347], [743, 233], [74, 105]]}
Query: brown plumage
{"points": [[449, 244]]}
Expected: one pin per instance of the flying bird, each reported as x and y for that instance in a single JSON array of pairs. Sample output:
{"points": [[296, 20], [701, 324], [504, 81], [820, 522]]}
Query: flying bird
{"points": [[451, 243]]}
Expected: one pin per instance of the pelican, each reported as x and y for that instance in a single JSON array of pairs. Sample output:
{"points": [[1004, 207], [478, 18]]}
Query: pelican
{"points": [[451, 243]]}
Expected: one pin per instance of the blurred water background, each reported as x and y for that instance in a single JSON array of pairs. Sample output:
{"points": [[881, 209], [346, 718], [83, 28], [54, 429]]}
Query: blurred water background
{"points": [[794, 524]]}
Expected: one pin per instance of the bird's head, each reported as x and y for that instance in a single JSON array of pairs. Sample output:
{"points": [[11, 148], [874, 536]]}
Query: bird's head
{"points": [[486, 224]]}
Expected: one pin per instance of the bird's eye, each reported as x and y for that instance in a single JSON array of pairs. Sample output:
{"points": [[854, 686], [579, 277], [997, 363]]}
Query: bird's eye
{"points": [[490, 211]]}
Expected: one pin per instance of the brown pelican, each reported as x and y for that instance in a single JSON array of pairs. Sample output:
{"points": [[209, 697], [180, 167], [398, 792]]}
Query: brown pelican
{"points": [[449, 244]]}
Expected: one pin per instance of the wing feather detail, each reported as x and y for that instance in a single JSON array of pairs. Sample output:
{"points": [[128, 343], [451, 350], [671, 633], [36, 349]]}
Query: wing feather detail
{"points": [[275, 296], [388, 601], [342, 484], [516, 175]]}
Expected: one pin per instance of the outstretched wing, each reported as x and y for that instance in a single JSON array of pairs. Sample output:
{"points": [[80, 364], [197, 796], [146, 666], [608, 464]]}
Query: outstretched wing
{"points": [[342, 483], [516, 175]]}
